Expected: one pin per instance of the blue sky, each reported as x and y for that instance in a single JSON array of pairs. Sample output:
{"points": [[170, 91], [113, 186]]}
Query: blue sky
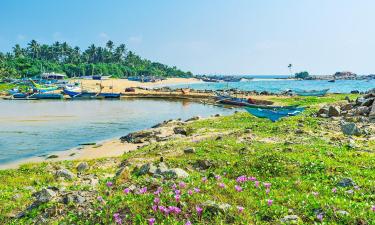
{"points": [[208, 36]]}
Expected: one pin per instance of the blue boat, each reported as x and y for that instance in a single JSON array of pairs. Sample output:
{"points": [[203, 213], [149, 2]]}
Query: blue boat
{"points": [[45, 96], [317, 93], [274, 114], [244, 102], [87, 95]]}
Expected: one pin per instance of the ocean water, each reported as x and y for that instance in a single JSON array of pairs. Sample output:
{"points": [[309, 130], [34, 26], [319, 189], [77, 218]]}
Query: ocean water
{"points": [[271, 84], [35, 128]]}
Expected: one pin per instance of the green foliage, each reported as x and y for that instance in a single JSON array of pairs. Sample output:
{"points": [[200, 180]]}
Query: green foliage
{"points": [[63, 58], [302, 75]]}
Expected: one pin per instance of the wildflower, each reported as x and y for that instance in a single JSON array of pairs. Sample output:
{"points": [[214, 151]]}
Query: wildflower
{"points": [[177, 197], [357, 188], [190, 192], [197, 190], [156, 201], [100, 198], [252, 178], [158, 191], [127, 190], [269, 202], [109, 184], [117, 218], [241, 179], [174, 209], [204, 179], [256, 184], [222, 185], [240, 209], [177, 192], [349, 192], [154, 208], [199, 210], [334, 190], [174, 186], [320, 217], [315, 193], [267, 191], [163, 209], [188, 223], [143, 190], [373, 208], [151, 221], [182, 184], [217, 177], [238, 188], [267, 185]]}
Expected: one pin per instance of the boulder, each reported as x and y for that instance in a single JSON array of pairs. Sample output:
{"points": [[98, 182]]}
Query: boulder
{"points": [[189, 150], [346, 182], [45, 195], [350, 129], [290, 219], [216, 208], [139, 136], [368, 102], [362, 110], [372, 113], [83, 166], [64, 173], [180, 130], [175, 173], [203, 164], [193, 118], [333, 111], [347, 107], [323, 110]]}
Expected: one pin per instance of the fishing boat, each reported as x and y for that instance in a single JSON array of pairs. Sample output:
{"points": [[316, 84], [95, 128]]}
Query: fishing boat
{"points": [[273, 114], [43, 88], [245, 102], [317, 93], [88, 95], [45, 96]]}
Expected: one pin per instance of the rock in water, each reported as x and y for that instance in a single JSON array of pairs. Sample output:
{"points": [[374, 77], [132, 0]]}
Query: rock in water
{"points": [[350, 129], [64, 173], [333, 111], [82, 166]]}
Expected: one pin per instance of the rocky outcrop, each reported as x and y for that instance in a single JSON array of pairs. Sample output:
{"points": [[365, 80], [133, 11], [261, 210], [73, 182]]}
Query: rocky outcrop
{"points": [[350, 129], [160, 170], [150, 135]]}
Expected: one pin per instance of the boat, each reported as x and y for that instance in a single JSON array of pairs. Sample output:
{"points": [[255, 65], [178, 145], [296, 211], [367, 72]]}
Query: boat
{"points": [[317, 93], [245, 102], [43, 88], [45, 96], [273, 114], [88, 95], [19, 95], [13, 91], [332, 81]]}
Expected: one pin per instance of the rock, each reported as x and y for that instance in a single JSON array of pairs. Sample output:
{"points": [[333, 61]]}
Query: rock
{"points": [[16, 196], [175, 173], [45, 195], [333, 111], [347, 98], [79, 199], [347, 107], [352, 143], [360, 100], [346, 182], [290, 219], [350, 129], [217, 115], [193, 118], [216, 208], [368, 102], [203, 164], [144, 169], [372, 113], [299, 131], [64, 173], [52, 157], [180, 130], [354, 92], [362, 110], [83, 166], [322, 111], [189, 150], [138, 137]]}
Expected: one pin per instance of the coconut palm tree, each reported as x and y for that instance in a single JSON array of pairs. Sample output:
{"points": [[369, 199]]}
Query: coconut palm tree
{"points": [[34, 48]]}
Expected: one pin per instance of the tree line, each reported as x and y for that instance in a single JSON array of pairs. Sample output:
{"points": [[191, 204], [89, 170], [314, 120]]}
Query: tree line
{"points": [[59, 57]]}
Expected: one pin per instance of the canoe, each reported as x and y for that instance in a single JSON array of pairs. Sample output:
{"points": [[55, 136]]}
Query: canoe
{"points": [[46, 96], [243, 102], [86, 95], [273, 115], [317, 93]]}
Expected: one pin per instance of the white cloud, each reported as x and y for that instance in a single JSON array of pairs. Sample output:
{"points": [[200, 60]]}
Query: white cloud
{"points": [[135, 39]]}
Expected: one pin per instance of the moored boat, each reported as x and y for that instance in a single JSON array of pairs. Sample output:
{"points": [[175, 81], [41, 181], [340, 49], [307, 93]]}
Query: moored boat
{"points": [[317, 93], [273, 114], [250, 103], [45, 96]]}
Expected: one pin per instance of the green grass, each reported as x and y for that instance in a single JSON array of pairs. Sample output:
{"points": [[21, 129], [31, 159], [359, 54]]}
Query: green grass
{"points": [[303, 169]]}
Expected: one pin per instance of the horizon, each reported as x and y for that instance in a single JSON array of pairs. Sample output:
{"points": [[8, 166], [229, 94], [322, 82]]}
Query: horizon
{"points": [[242, 37]]}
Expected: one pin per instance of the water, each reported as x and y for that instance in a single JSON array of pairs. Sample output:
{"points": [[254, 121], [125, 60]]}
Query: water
{"points": [[271, 84], [34, 128]]}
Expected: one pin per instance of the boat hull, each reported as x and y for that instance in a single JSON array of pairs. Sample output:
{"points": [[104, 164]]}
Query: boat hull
{"points": [[273, 115], [319, 93]]}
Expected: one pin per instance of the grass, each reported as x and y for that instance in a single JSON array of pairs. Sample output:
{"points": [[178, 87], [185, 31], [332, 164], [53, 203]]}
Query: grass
{"points": [[302, 168]]}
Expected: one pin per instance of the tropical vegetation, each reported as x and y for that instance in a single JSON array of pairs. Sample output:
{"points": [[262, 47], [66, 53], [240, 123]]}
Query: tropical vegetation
{"points": [[59, 57], [302, 75]]}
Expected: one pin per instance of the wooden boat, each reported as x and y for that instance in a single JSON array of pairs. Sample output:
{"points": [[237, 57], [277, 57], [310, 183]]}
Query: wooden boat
{"points": [[273, 115], [317, 93], [244, 102], [88, 95], [45, 96], [332, 81]]}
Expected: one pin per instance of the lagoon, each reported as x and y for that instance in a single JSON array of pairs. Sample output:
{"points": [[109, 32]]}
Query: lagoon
{"points": [[37, 128]]}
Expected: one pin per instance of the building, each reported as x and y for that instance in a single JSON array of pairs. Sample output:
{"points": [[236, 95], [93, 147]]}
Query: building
{"points": [[53, 76]]}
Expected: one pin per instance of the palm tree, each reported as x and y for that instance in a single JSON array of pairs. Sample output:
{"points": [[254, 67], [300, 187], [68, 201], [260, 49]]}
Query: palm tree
{"points": [[17, 50], [91, 52], [290, 68], [34, 48], [109, 45]]}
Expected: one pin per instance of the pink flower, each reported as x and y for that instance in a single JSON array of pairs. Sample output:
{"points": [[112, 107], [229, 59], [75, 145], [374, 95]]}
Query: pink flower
{"points": [[109, 184], [199, 210], [267, 185], [197, 190], [174, 209], [151, 221], [100, 198], [222, 185], [315, 193], [269, 202], [217, 177], [241, 179], [204, 179], [163, 209], [320, 217], [117, 218], [238, 188], [373, 208], [256, 184], [240, 209], [188, 223], [267, 191], [174, 186], [182, 184], [127, 190], [143, 190], [156, 201], [177, 197], [154, 208], [158, 191], [334, 190], [190, 192], [252, 178], [177, 192]]}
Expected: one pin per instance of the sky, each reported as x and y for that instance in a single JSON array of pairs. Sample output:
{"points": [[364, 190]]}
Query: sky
{"points": [[208, 36]]}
